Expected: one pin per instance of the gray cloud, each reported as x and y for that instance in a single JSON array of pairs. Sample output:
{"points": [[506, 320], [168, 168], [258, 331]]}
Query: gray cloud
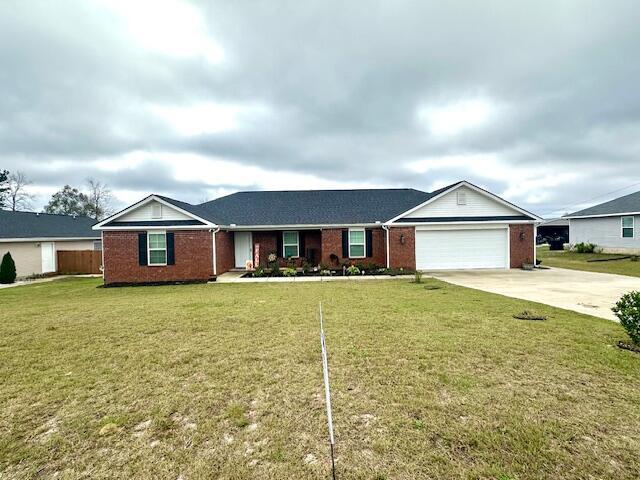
{"points": [[342, 85]]}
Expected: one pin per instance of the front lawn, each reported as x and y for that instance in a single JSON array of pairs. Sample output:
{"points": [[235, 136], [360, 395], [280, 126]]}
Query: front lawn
{"points": [[225, 381], [579, 261]]}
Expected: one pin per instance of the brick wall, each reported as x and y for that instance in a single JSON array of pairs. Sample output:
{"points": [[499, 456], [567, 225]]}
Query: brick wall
{"points": [[402, 254], [225, 252], [268, 242], [331, 239], [193, 254], [521, 249]]}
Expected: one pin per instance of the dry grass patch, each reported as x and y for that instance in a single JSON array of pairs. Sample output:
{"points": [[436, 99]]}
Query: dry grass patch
{"points": [[225, 381]]}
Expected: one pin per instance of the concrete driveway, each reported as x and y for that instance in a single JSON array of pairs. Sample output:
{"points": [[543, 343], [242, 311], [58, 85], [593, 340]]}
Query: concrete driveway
{"points": [[584, 292]]}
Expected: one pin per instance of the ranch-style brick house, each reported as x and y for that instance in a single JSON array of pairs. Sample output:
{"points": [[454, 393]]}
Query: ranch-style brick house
{"points": [[460, 226]]}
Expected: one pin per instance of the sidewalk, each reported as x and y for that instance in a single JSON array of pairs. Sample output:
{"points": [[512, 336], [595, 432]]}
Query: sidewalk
{"points": [[234, 277]]}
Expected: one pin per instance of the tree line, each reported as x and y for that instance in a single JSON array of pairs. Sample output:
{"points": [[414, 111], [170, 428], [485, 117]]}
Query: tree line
{"points": [[93, 200]]}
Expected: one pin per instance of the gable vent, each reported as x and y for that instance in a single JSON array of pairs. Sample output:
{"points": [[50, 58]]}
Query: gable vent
{"points": [[462, 197], [156, 210]]}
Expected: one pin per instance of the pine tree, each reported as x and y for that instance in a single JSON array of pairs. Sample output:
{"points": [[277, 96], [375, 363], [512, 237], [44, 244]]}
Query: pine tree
{"points": [[7, 269]]}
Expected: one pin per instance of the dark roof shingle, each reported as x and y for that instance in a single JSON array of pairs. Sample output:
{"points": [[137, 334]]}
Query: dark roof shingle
{"points": [[310, 207], [626, 204], [45, 225]]}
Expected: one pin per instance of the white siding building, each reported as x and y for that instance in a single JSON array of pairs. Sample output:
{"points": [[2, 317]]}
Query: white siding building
{"points": [[612, 226]]}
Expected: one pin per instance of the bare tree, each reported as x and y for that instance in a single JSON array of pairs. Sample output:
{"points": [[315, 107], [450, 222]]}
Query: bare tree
{"points": [[17, 196], [100, 200]]}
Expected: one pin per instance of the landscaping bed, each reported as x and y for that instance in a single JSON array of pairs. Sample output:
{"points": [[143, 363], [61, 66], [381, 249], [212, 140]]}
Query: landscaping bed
{"points": [[324, 271]]}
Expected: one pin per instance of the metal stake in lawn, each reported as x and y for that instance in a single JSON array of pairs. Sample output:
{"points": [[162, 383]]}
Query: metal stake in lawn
{"points": [[327, 392]]}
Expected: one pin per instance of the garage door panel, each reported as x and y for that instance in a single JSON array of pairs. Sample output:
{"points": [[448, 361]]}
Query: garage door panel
{"points": [[460, 249]]}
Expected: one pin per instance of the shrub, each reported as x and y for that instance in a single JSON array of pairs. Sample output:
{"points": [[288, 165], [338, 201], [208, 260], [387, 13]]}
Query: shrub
{"points": [[275, 269], [325, 272], [418, 276], [289, 272], [306, 267], [583, 247], [7, 269], [259, 272], [353, 270], [628, 311]]}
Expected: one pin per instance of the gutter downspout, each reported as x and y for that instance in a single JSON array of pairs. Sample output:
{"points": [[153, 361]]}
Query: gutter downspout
{"points": [[102, 252], [215, 256], [386, 229], [535, 246]]}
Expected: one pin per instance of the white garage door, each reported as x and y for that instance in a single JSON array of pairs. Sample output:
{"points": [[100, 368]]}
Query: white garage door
{"points": [[458, 249]]}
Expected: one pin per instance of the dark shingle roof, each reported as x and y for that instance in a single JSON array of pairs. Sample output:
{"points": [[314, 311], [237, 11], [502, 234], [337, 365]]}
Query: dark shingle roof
{"points": [[310, 207], [627, 204], [44, 225]]}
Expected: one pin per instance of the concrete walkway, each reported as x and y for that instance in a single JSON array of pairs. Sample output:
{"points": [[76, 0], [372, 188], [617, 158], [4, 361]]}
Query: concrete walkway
{"points": [[235, 277], [584, 292]]}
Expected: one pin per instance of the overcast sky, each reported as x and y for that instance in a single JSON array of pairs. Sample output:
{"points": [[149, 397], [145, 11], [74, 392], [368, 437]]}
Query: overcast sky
{"points": [[538, 103]]}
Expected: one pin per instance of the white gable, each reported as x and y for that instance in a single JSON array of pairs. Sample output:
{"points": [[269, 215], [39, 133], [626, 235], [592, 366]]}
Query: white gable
{"points": [[463, 202], [153, 211]]}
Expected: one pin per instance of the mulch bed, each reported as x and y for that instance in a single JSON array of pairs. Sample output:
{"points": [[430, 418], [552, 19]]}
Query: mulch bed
{"points": [[629, 346]]}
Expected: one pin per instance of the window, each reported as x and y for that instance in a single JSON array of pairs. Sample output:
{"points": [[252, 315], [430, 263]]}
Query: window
{"points": [[97, 244], [157, 242], [290, 244], [356, 243], [461, 197], [627, 227]]}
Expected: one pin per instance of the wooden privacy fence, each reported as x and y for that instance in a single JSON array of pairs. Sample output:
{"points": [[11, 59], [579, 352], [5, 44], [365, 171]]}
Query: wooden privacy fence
{"points": [[79, 261]]}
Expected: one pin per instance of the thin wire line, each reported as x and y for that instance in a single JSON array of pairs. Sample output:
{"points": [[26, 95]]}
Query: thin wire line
{"points": [[591, 199]]}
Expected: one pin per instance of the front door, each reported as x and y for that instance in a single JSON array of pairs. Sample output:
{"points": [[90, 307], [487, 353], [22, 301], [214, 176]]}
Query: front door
{"points": [[243, 247]]}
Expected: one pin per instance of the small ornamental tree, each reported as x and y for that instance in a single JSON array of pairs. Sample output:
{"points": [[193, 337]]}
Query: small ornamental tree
{"points": [[7, 269], [628, 311]]}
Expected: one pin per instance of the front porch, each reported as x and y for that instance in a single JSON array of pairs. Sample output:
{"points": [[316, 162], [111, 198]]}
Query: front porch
{"points": [[291, 248], [329, 247]]}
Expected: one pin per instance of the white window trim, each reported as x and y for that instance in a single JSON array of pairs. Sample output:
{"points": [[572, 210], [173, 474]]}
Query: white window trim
{"points": [[364, 242], [632, 227], [149, 249], [285, 244]]}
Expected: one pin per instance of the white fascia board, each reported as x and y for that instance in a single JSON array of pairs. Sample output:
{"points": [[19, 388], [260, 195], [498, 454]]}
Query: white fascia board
{"points": [[48, 239], [603, 215], [158, 227], [473, 187], [144, 201]]}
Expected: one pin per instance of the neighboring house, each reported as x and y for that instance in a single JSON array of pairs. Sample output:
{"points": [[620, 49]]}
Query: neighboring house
{"points": [[612, 225], [34, 238], [457, 227], [552, 229]]}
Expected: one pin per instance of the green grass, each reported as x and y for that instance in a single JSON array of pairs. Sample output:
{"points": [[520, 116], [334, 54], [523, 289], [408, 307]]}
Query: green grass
{"points": [[225, 381], [578, 261]]}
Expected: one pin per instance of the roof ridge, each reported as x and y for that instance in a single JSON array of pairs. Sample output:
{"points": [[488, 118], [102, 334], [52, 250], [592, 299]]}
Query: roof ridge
{"points": [[47, 213], [397, 189]]}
